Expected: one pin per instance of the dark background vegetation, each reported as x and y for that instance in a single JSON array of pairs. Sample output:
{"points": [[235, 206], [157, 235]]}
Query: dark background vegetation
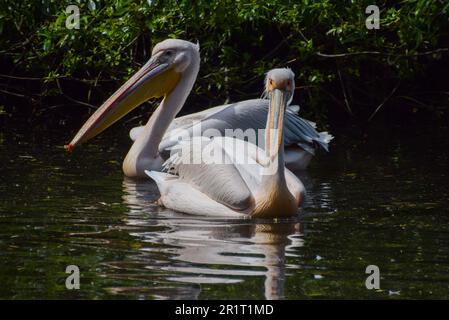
{"points": [[346, 74]]}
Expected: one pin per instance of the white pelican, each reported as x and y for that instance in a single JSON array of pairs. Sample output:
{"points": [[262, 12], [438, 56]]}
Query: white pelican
{"points": [[170, 74], [261, 188]]}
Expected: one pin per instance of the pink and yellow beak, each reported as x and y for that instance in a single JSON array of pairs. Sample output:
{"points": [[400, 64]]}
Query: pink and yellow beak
{"points": [[154, 80], [279, 95]]}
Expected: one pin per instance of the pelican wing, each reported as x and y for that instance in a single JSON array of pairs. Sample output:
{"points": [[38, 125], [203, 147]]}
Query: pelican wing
{"points": [[204, 164], [189, 119], [181, 122], [244, 115]]}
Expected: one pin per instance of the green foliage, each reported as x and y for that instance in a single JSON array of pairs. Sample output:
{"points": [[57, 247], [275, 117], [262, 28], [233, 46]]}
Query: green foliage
{"points": [[240, 40]]}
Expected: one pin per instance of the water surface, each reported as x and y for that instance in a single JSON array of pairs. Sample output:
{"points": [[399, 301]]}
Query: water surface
{"points": [[380, 200]]}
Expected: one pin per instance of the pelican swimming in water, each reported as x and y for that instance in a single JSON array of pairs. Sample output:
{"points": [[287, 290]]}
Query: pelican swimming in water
{"points": [[170, 74], [261, 188]]}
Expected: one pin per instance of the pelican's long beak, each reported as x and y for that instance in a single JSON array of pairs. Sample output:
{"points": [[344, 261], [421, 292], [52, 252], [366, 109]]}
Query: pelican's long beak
{"points": [[275, 125], [154, 80]]}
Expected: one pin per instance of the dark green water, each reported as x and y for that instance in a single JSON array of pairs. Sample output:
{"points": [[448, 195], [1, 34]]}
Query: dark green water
{"points": [[381, 202]]}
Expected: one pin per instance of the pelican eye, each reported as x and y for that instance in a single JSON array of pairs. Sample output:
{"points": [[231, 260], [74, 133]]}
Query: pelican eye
{"points": [[168, 53]]}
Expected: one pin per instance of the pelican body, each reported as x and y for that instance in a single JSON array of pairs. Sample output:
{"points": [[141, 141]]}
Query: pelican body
{"points": [[170, 74], [261, 188]]}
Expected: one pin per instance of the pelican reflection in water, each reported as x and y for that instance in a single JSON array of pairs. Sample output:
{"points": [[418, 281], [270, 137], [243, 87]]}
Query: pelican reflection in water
{"points": [[210, 251]]}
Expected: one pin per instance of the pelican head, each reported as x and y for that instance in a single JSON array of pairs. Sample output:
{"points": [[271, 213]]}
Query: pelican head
{"points": [[279, 87], [170, 61]]}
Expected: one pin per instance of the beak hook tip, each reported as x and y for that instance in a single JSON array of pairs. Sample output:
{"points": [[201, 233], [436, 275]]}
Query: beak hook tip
{"points": [[68, 147]]}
